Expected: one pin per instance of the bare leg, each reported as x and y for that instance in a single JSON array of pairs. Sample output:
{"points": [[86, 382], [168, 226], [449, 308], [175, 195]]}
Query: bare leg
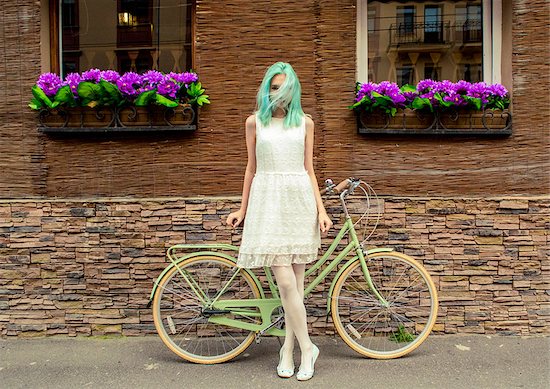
{"points": [[295, 311]]}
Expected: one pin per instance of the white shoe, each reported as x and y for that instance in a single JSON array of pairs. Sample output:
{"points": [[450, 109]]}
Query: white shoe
{"points": [[284, 373], [304, 375]]}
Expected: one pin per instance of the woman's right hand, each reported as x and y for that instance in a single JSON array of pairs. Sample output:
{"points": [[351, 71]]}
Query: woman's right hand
{"points": [[235, 218]]}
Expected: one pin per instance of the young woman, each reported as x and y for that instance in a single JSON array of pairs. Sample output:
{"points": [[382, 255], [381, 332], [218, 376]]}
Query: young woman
{"points": [[283, 206]]}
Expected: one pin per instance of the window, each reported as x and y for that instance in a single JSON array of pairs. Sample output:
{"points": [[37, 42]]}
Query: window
{"points": [[449, 40], [405, 20], [432, 72], [433, 24], [405, 74], [124, 35], [468, 22]]}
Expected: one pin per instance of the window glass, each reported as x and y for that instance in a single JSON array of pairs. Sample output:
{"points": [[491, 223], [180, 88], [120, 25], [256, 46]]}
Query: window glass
{"points": [[412, 40], [125, 35]]}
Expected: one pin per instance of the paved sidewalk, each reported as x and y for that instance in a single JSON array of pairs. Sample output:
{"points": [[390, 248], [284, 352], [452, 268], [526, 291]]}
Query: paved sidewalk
{"points": [[441, 362]]}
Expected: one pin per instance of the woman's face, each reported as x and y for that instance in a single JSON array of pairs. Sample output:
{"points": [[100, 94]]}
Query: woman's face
{"points": [[276, 83]]}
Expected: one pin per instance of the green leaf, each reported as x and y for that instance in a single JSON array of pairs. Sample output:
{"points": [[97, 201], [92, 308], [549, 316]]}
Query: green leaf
{"points": [[160, 99], [36, 104], [195, 89], [393, 111], [474, 101], [421, 103], [408, 88], [90, 93], [145, 98], [64, 96], [112, 95], [358, 103], [446, 104], [39, 94], [381, 99], [438, 97], [203, 100]]}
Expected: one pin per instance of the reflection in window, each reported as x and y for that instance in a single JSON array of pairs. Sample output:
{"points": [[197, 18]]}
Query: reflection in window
{"points": [[411, 40], [433, 24], [405, 20], [432, 72], [405, 75], [126, 35]]}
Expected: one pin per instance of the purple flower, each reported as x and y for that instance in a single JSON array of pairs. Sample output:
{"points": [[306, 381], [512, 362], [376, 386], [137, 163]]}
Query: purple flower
{"points": [[184, 78], [462, 87], [152, 77], [425, 86], [497, 90], [168, 87], [129, 84], [479, 90], [444, 86], [110, 76], [92, 75], [409, 97], [49, 83], [146, 88], [391, 90], [366, 90], [72, 80], [456, 99]]}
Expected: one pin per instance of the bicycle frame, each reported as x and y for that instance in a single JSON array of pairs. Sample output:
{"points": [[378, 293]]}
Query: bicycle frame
{"points": [[266, 306]]}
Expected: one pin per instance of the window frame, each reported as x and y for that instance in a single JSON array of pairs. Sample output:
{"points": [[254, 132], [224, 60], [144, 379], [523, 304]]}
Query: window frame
{"points": [[492, 41], [54, 12]]}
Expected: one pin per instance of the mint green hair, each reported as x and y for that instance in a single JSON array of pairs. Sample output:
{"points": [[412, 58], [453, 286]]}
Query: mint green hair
{"points": [[288, 96]]}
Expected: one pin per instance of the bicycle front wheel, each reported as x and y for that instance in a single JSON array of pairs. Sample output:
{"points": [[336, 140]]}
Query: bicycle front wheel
{"points": [[180, 316], [379, 330]]}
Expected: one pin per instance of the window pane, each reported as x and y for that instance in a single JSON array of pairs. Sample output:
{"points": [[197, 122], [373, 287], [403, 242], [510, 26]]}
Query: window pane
{"points": [[126, 35], [411, 40]]}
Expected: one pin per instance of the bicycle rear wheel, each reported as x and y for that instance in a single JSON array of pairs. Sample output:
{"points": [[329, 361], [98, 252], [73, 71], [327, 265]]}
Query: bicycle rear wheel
{"points": [[180, 318], [379, 331]]}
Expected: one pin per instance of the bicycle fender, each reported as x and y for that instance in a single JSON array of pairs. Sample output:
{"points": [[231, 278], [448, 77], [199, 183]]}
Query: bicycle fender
{"points": [[199, 253], [348, 264]]}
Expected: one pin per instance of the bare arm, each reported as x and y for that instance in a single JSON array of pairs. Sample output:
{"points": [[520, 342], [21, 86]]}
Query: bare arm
{"points": [[235, 218], [250, 128], [324, 220]]}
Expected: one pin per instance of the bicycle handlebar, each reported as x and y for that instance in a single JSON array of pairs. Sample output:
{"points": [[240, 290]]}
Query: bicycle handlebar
{"points": [[331, 188]]}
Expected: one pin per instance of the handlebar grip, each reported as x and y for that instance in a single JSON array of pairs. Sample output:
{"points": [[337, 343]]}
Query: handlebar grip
{"points": [[338, 188]]}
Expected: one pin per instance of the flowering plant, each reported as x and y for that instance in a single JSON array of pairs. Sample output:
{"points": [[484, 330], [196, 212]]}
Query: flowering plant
{"points": [[96, 87], [430, 95]]}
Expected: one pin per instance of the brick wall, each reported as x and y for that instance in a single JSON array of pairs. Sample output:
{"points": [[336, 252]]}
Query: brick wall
{"points": [[86, 267]]}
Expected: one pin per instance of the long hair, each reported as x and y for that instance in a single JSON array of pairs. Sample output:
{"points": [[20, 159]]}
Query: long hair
{"points": [[288, 96]]}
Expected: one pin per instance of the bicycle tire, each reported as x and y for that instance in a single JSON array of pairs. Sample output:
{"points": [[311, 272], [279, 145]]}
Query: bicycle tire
{"points": [[174, 296], [372, 329]]}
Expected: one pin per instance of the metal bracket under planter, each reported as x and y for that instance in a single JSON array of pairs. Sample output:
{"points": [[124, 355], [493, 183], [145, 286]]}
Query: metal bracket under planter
{"points": [[80, 130], [117, 120], [488, 123]]}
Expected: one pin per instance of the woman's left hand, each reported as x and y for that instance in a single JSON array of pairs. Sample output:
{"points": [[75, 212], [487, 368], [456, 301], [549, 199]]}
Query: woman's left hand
{"points": [[324, 222]]}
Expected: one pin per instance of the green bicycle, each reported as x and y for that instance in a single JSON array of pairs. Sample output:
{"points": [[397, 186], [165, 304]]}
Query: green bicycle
{"points": [[207, 310]]}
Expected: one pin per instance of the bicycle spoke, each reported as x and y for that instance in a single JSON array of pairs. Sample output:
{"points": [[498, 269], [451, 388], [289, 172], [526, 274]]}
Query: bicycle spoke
{"points": [[378, 329], [184, 325]]}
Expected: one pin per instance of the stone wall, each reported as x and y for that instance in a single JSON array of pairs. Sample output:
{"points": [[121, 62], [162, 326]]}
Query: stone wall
{"points": [[87, 267]]}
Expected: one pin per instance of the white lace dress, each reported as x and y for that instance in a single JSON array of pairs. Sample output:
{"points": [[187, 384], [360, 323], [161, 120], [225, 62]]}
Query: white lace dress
{"points": [[281, 223]]}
